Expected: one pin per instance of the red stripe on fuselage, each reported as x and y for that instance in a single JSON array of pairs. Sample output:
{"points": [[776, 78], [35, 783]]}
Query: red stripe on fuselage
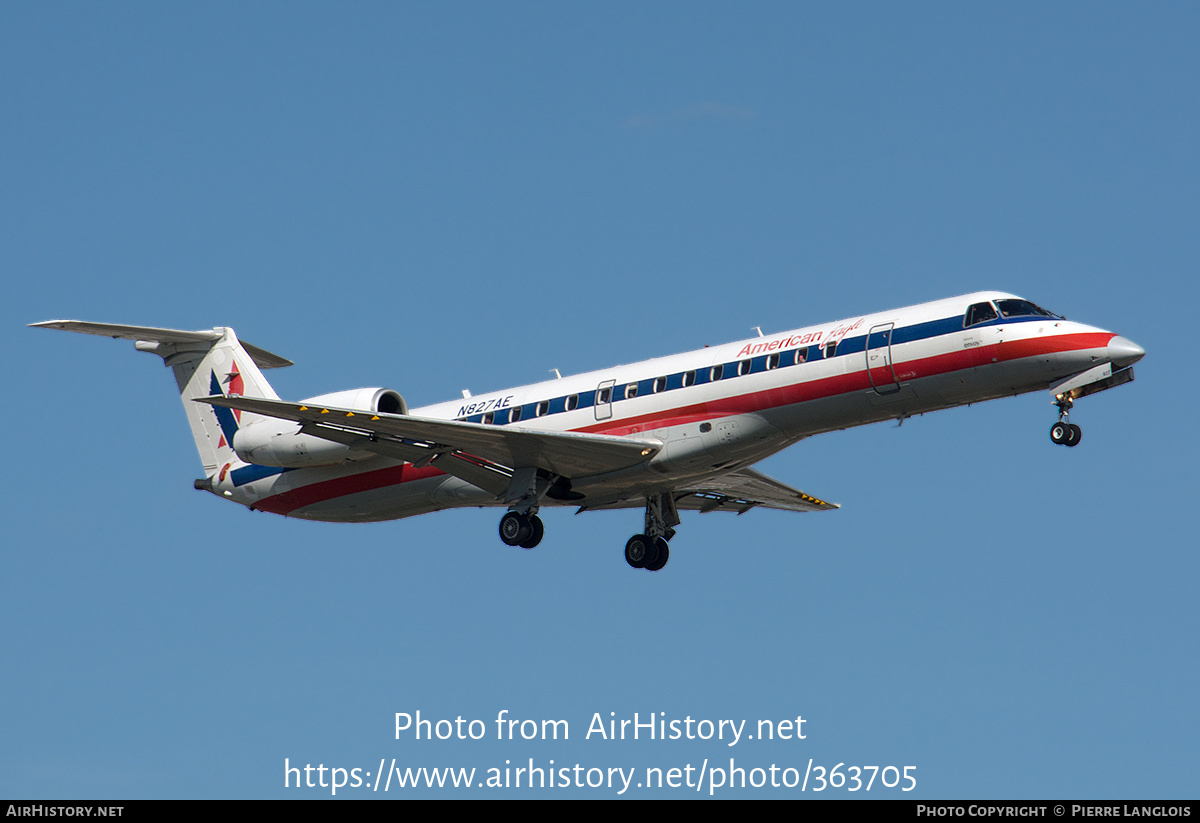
{"points": [[855, 381], [325, 490], [342, 486]]}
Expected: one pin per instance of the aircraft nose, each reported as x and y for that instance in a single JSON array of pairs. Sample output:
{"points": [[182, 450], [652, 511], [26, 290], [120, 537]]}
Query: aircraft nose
{"points": [[1124, 352]]}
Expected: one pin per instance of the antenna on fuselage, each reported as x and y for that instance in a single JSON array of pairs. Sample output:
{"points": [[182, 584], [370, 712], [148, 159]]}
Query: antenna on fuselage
{"points": [[466, 393], [556, 374], [757, 329]]}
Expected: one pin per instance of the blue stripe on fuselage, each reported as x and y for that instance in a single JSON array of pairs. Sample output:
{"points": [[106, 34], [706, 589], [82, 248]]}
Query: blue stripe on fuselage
{"points": [[248, 474], [703, 375]]}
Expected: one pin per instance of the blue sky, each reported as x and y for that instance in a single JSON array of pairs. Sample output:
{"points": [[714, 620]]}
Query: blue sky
{"points": [[433, 197]]}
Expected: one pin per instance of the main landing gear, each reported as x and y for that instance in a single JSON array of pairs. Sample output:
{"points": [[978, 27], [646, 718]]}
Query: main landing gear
{"points": [[524, 530], [646, 552], [1065, 433], [643, 551], [521, 526], [649, 551]]}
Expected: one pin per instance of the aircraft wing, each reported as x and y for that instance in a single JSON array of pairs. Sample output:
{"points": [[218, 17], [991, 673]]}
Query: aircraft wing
{"points": [[737, 491], [483, 455]]}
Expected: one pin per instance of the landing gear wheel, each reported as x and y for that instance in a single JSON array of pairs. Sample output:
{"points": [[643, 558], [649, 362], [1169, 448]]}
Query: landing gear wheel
{"points": [[664, 554], [515, 529], [1059, 432], [1074, 435], [653, 555], [637, 551], [536, 530]]}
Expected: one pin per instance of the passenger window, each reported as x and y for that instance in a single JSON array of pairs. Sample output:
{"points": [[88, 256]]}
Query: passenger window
{"points": [[542, 408], [604, 395], [979, 313], [660, 384], [515, 415], [744, 367], [716, 373], [631, 391], [689, 378], [573, 402], [830, 348], [773, 361], [801, 355], [489, 418]]}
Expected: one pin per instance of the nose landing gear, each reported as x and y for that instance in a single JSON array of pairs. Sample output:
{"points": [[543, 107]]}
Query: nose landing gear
{"points": [[1065, 433]]}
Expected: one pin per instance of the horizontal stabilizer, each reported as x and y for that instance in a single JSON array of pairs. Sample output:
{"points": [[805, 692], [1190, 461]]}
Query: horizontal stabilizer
{"points": [[262, 358]]}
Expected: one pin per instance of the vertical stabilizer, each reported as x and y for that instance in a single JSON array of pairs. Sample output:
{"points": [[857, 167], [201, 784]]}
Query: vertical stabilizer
{"points": [[205, 363], [224, 368]]}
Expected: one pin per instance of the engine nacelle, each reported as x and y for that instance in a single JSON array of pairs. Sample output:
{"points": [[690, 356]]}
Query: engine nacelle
{"points": [[387, 401], [272, 442]]}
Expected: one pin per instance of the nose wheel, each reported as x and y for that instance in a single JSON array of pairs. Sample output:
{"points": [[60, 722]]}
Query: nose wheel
{"points": [[1065, 433]]}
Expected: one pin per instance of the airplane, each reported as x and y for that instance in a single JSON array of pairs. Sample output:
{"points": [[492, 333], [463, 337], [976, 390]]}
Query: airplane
{"points": [[670, 434]]}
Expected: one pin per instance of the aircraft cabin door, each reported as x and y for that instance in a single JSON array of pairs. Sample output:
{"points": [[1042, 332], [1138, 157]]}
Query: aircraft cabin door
{"points": [[880, 368], [604, 398]]}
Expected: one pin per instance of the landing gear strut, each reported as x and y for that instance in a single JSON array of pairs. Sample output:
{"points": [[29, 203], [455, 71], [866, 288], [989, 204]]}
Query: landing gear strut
{"points": [[649, 551], [1064, 432]]}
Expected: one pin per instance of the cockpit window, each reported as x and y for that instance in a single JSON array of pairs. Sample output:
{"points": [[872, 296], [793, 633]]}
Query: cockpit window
{"points": [[1023, 308], [979, 313]]}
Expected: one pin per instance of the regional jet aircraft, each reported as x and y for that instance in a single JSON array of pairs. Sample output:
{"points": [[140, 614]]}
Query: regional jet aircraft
{"points": [[671, 434]]}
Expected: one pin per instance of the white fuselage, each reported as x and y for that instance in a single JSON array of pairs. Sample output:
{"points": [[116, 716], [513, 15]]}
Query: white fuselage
{"points": [[722, 408]]}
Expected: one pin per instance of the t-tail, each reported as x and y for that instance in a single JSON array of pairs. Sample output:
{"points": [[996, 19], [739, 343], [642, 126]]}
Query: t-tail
{"points": [[205, 363]]}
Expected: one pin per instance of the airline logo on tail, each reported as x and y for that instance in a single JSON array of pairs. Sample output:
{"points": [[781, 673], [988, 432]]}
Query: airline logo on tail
{"points": [[227, 418]]}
